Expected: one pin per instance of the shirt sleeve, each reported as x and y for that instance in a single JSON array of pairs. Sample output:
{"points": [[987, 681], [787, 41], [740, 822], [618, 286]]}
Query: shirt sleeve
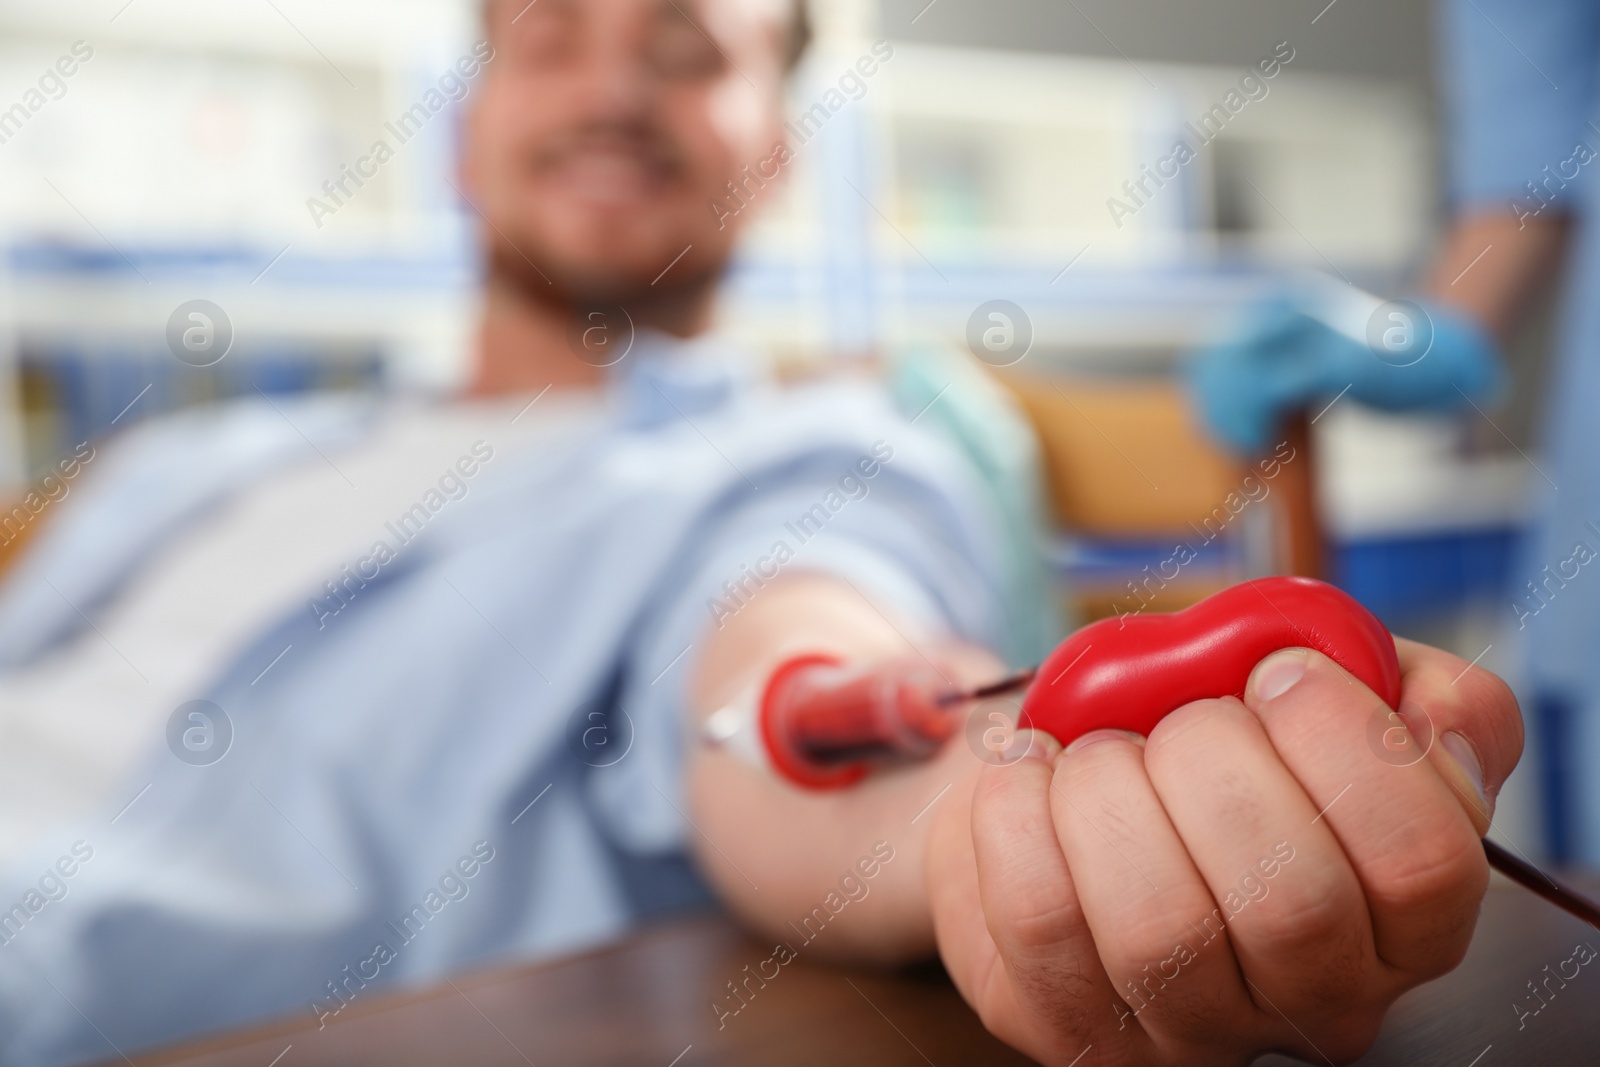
{"points": [[913, 540], [1518, 78]]}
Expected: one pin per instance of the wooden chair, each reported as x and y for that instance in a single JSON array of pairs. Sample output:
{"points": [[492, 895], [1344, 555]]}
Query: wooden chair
{"points": [[1126, 461]]}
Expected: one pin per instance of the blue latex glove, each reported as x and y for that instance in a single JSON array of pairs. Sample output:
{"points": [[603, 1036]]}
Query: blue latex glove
{"points": [[1283, 360]]}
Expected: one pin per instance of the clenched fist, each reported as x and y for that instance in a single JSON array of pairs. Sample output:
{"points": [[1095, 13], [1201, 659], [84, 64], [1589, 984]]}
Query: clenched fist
{"points": [[1259, 875]]}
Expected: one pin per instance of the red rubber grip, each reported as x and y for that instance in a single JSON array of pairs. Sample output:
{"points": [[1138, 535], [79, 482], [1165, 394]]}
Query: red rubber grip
{"points": [[823, 722]]}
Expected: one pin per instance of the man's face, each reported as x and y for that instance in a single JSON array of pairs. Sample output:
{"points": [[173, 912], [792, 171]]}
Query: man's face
{"points": [[606, 128]]}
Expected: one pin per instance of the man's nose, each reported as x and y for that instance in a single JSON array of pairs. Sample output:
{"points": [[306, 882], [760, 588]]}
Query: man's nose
{"points": [[618, 79]]}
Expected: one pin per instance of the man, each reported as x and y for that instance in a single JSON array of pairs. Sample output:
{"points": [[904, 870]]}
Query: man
{"points": [[419, 773]]}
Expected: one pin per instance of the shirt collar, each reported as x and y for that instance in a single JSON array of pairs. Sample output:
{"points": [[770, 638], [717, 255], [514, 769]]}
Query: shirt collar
{"points": [[664, 378]]}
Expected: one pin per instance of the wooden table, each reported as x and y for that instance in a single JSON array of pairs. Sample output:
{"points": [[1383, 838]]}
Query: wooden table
{"points": [[648, 1001]]}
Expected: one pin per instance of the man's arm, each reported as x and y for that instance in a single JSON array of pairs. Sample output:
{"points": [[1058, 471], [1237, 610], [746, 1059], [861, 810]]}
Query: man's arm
{"points": [[1255, 876], [773, 850]]}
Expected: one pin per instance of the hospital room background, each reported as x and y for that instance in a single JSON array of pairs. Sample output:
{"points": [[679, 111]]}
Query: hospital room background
{"points": [[996, 157]]}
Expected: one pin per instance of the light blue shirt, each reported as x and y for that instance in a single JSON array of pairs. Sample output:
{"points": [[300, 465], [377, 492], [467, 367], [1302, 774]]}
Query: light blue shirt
{"points": [[419, 788]]}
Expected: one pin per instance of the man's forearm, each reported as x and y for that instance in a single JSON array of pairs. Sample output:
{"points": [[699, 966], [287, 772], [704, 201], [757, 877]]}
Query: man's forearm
{"points": [[776, 852]]}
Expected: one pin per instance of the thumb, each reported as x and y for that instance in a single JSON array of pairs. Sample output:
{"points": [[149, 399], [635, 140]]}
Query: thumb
{"points": [[1474, 719]]}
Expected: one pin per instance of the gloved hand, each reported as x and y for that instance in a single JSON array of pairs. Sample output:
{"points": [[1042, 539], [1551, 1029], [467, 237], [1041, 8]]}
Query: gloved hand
{"points": [[1283, 359]]}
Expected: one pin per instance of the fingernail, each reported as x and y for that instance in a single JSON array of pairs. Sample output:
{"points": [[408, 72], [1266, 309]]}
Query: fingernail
{"points": [[1277, 674], [1094, 736], [1466, 758], [1030, 744]]}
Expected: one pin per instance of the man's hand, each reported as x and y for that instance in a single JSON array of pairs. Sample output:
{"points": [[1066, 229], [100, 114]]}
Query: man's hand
{"points": [[1260, 875]]}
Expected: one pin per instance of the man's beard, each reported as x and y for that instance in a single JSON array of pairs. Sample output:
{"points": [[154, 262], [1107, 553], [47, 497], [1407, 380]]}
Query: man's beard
{"points": [[545, 279]]}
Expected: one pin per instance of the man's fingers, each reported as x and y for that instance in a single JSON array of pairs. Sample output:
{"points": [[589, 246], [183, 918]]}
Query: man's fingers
{"points": [[1160, 936], [951, 874], [1063, 996], [1404, 830], [1293, 907]]}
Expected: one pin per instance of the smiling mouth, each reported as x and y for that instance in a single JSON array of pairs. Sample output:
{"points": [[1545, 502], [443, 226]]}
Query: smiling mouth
{"points": [[608, 169]]}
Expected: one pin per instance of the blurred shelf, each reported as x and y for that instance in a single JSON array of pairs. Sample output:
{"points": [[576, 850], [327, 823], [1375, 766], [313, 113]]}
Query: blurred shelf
{"points": [[354, 31], [945, 178], [417, 312]]}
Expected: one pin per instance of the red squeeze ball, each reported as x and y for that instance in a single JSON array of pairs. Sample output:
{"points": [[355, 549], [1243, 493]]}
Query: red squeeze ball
{"points": [[1128, 673]]}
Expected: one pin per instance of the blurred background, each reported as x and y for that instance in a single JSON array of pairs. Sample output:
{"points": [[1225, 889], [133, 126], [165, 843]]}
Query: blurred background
{"points": [[977, 163]]}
